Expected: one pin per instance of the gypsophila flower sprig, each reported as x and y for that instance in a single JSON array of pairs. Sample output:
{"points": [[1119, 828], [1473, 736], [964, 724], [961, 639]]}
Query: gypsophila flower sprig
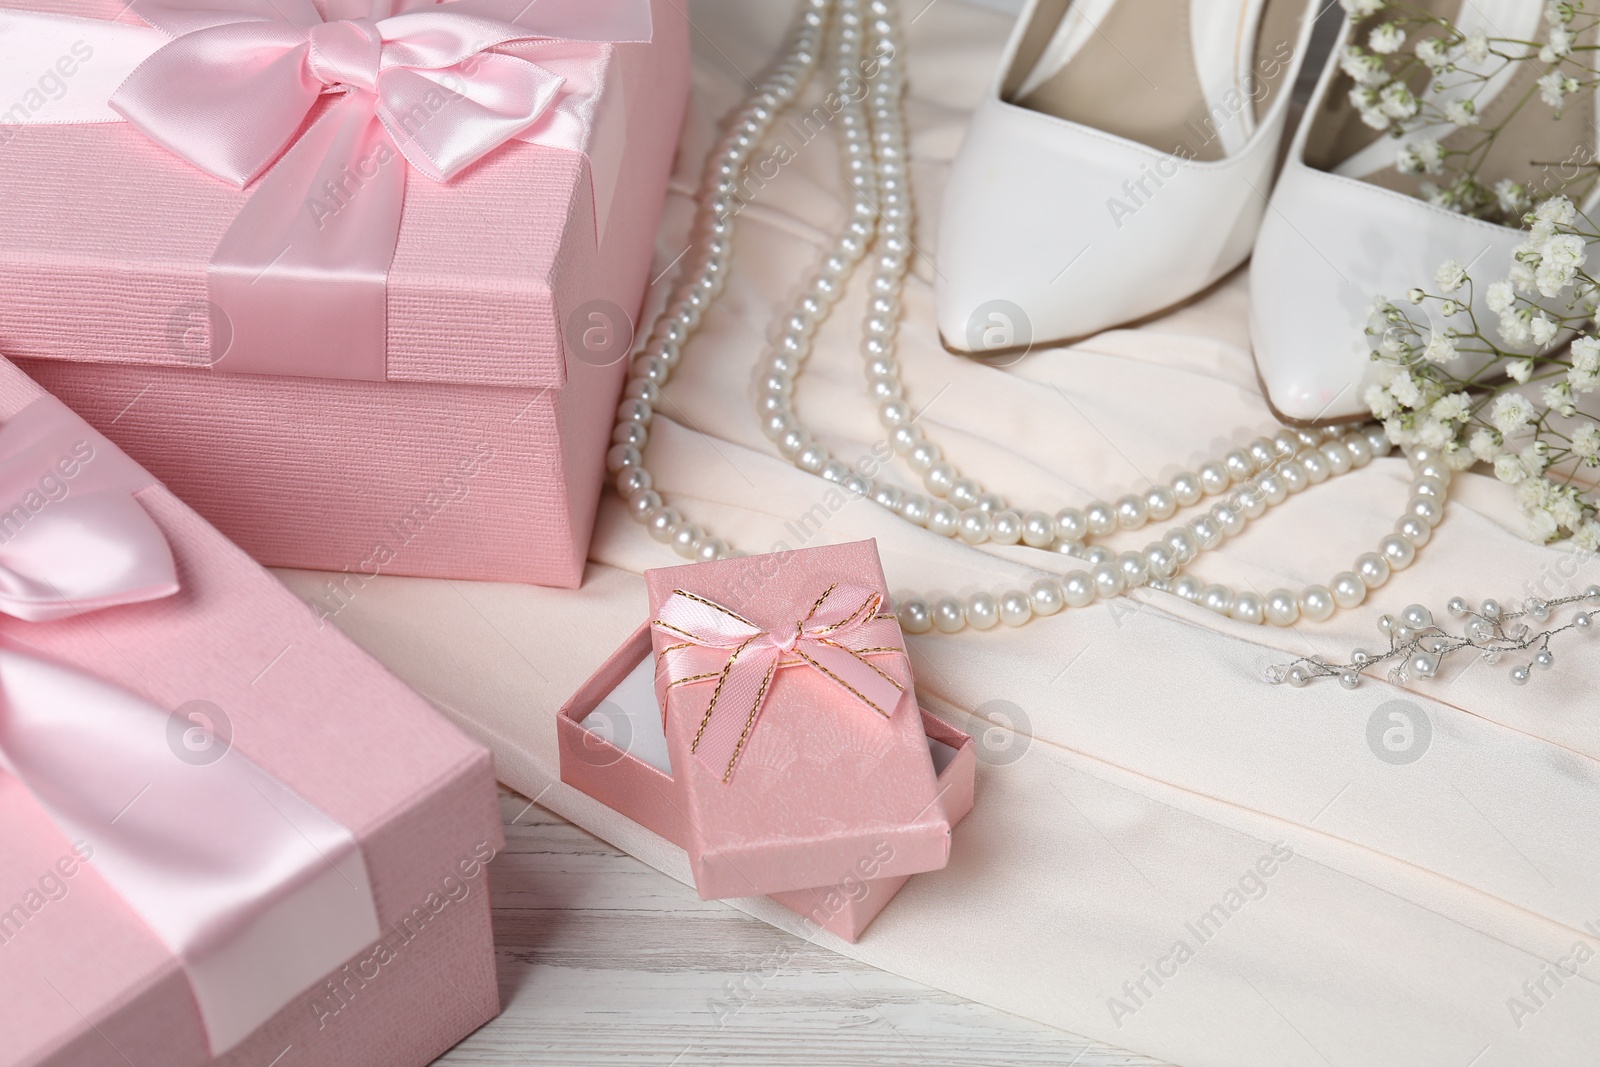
{"points": [[1418, 647], [1510, 393], [1423, 80]]}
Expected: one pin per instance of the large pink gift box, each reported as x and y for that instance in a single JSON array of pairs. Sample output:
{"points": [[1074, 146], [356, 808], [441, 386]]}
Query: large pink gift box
{"points": [[83, 981], [791, 720], [510, 297], [613, 748]]}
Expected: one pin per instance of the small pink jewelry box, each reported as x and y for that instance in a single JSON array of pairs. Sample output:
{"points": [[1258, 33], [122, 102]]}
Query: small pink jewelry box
{"points": [[511, 301], [85, 981], [614, 749]]}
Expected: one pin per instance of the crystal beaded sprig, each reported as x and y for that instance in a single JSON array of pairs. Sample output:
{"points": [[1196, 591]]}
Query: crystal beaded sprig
{"points": [[1417, 646]]}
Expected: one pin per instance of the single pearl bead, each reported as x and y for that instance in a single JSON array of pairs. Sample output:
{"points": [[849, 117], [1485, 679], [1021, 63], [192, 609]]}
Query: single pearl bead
{"points": [[1159, 560], [1519, 675], [684, 538], [710, 548], [1207, 534], [1582, 621], [1215, 479], [1135, 571], [1378, 441], [1428, 509], [1293, 475], [1414, 530], [1183, 544], [949, 615], [1247, 607], [974, 526], [1047, 596], [1490, 609], [1238, 464], [892, 413], [1398, 551], [1420, 454], [1272, 488], [1160, 502], [661, 523], [1438, 471], [1038, 529], [631, 480], [642, 503], [1416, 616], [943, 519], [794, 442], [1298, 676], [1373, 569], [1250, 501], [990, 502], [1262, 453], [1337, 457], [1189, 588], [1099, 554], [1187, 488], [1348, 589], [1071, 524], [1132, 512], [1078, 589], [937, 478], [1282, 607], [1228, 520], [1358, 448], [964, 493], [983, 611], [1102, 518], [1218, 598], [1108, 581], [811, 458], [914, 616], [915, 508], [923, 456], [888, 496], [1005, 527], [1316, 467], [1016, 608], [904, 438], [1423, 664], [1349, 679], [1316, 603], [621, 456], [1287, 442], [1428, 487]]}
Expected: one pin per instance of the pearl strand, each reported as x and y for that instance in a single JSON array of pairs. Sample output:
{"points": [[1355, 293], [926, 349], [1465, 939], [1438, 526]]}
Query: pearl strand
{"points": [[1270, 469]]}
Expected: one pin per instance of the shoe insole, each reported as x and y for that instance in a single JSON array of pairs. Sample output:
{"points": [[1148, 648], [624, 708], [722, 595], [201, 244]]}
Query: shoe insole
{"points": [[1190, 77], [1536, 148]]}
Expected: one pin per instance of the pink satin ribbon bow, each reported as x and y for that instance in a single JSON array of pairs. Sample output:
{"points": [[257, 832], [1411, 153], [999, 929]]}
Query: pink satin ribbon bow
{"points": [[838, 638], [301, 274], [72, 537]]}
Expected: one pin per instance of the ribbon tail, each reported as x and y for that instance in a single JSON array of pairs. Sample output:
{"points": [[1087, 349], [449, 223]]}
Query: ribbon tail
{"points": [[854, 675], [736, 703], [256, 892], [60, 69], [328, 213]]}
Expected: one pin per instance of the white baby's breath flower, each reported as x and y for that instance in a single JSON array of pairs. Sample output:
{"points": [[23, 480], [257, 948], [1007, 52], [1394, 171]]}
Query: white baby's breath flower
{"points": [[1453, 408], [1543, 328], [1404, 389], [1363, 67], [1557, 396], [1386, 39], [1512, 413], [1360, 9], [1587, 537], [1441, 347], [1555, 87], [1432, 53], [1450, 276], [1586, 354], [1499, 297], [1485, 445], [1559, 45], [1560, 259], [1461, 112], [1566, 510], [1514, 326], [1397, 101], [1510, 196], [1542, 525], [1520, 370], [1586, 443], [1435, 434], [1380, 401], [1509, 469], [1475, 47]]}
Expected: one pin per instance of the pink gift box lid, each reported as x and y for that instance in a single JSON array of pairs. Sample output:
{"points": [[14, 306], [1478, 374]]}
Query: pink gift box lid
{"points": [[106, 236], [85, 977], [822, 781], [617, 762]]}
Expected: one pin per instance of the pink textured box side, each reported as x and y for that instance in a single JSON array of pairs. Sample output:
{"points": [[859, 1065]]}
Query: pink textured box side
{"points": [[823, 782], [105, 306], [320, 715], [635, 789]]}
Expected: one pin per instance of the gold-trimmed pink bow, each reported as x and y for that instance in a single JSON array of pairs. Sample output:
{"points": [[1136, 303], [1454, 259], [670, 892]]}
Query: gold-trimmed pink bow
{"points": [[838, 638]]}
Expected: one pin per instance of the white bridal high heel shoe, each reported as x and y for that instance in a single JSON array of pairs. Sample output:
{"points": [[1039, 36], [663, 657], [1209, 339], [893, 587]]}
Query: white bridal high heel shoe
{"points": [[1118, 165], [1346, 226]]}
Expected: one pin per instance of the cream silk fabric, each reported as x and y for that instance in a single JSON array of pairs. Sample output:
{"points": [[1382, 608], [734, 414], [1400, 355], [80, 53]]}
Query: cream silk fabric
{"points": [[1158, 769]]}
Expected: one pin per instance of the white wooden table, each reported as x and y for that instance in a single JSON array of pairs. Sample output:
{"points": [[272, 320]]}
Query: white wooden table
{"points": [[604, 960]]}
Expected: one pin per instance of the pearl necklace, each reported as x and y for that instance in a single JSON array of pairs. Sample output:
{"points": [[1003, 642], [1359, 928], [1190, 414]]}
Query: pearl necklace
{"points": [[866, 51]]}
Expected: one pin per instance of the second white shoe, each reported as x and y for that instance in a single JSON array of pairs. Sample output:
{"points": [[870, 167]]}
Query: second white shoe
{"points": [[1118, 165]]}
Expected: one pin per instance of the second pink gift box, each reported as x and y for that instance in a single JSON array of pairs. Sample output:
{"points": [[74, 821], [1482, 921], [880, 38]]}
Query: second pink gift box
{"points": [[227, 835], [386, 280]]}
